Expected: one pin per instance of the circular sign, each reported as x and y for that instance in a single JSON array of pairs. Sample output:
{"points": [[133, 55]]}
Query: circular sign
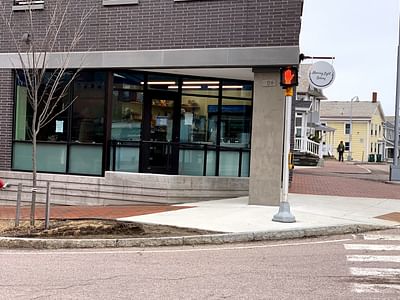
{"points": [[321, 75]]}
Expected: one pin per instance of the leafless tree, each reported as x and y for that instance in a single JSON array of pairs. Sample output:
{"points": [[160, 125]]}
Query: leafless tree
{"points": [[46, 87]]}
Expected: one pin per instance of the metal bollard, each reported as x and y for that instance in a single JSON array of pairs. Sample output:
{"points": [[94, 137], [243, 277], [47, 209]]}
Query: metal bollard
{"points": [[18, 208], [47, 212]]}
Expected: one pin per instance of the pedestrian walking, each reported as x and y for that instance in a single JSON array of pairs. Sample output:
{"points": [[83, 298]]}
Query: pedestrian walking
{"points": [[340, 150]]}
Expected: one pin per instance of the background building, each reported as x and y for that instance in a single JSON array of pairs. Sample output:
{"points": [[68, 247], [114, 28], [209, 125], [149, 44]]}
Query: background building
{"points": [[359, 124]]}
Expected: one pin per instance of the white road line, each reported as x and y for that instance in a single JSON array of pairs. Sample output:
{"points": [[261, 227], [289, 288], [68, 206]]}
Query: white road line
{"points": [[372, 258], [375, 288], [379, 272], [377, 237], [372, 247], [143, 251]]}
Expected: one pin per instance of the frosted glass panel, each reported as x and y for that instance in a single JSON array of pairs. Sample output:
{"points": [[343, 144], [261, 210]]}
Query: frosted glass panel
{"points": [[126, 159], [191, 162], [211, 163], [50, 157], [245, 164], [86, 159], [229, 163]]}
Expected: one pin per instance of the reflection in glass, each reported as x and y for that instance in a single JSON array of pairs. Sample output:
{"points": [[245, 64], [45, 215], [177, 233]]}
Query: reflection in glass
{"points": [[236, 123], [88, 108], [237, 89], [198, 120], [56, 129], [162, 113], [161, 82]]}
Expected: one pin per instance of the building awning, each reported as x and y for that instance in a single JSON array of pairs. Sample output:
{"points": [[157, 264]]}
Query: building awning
{"points": [[321, 127]]}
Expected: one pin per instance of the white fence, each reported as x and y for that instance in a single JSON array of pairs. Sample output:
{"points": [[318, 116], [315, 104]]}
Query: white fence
{"points": [[308, 146]]}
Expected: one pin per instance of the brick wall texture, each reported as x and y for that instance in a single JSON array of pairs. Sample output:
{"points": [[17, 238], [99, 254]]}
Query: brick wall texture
{"points": [[165, 24], [6, 117]]}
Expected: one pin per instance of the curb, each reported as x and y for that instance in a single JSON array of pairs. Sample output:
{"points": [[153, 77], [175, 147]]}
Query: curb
{"points": [[210, 239]]}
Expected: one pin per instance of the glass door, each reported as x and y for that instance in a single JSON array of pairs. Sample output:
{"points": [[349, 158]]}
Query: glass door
{"points": [[159, 152]]}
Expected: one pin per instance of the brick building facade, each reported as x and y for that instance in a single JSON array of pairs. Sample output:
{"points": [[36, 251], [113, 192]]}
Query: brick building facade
{"points": [[246, 40]]}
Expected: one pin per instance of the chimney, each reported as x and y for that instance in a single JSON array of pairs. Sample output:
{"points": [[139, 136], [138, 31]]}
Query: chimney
{"points": [[374, 97]]}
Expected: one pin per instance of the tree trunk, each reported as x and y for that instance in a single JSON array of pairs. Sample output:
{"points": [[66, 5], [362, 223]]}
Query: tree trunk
{"points": [[34, 167]]}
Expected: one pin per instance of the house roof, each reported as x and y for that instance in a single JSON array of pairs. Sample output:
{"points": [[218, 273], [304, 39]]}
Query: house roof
{"points": [[341, 109], [304, 86], [303, 104], [390, 119]]}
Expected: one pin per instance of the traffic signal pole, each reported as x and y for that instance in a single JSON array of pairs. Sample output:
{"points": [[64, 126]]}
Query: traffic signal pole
{"points": [[284, 215]]}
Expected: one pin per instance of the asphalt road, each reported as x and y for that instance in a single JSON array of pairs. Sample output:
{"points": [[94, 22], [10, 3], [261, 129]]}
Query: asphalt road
{"points": [[340, 267]]}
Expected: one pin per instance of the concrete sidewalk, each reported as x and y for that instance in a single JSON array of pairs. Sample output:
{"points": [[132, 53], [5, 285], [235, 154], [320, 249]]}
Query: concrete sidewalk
{"points": [[311, 211], [352, 202]]}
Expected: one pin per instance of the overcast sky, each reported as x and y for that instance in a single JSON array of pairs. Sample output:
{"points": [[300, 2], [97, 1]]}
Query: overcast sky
{"points": [[363, 36]]}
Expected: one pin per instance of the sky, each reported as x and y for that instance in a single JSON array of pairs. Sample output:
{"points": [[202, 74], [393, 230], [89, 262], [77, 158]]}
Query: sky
{"points": [[363, 36]]}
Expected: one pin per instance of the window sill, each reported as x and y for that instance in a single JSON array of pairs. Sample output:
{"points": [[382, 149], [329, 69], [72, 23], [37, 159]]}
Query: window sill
{"points": [[119, 2], [28, 7]]}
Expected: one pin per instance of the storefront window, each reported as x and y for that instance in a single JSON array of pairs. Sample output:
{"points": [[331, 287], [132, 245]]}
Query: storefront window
{"points": [[198, 120], [127, 106], [206, 125], [55, 122], [237, 89], [88, 108], [162, 82], [236, 123]]}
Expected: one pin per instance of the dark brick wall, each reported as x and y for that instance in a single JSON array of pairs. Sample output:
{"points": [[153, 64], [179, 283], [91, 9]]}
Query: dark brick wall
{"points": [[165, 24], [6, 118]]}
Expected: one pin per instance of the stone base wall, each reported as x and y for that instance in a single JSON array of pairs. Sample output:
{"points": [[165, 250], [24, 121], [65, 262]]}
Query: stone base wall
{"points": [[118, 188]]}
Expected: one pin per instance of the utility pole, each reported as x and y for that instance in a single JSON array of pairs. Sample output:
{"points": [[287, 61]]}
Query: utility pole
{"points": [[394, 168]]}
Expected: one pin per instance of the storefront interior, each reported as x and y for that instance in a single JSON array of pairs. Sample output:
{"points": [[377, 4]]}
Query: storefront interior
{"points": [[139, 121]]}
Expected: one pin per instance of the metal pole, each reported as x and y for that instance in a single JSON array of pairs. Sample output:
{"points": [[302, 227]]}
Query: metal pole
{"points": [[47, 213], [284, 215], [18, 208], [394, 169], [351, 129]]}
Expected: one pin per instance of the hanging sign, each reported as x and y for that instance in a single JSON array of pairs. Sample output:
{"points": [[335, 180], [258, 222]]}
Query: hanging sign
{"points": [[321, 75]]}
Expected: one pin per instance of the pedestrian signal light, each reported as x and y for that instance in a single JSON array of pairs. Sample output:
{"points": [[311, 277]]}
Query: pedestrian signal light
{"points": [[289, 77]]}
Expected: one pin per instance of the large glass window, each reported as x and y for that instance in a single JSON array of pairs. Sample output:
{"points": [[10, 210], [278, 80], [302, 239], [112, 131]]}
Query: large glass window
{"points": [[88, 108], [237, 89], [213, 117], [162, 82], [127, 106], [236, 123], [198, 120], [55, 119]]}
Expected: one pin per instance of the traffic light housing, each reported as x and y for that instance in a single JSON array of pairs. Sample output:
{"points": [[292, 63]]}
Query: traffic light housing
{"points": [[289, 77]]}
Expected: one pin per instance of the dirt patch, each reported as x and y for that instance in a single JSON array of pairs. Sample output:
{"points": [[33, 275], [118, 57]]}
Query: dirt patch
{"points": [[93, 229]]}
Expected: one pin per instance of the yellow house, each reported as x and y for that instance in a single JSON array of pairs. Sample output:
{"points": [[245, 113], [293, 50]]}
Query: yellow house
{"points": [[359, 124]]}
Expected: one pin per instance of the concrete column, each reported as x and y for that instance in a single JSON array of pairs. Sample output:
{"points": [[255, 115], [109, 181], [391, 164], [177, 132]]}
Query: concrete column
{"points": [[267, 138]]}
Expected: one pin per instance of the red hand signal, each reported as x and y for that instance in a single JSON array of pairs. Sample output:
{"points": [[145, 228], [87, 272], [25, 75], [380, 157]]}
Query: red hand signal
{"points": [[288, 76]]}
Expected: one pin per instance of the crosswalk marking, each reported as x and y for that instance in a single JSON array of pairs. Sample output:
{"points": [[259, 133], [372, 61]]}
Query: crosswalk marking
{"points": [[378, 237], [378, 272], [374, 258], [372, 247], [374, 288], [372, 278]]}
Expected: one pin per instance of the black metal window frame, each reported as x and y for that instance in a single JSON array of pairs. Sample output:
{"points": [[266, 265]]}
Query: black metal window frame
{"points": [[109, 160]]}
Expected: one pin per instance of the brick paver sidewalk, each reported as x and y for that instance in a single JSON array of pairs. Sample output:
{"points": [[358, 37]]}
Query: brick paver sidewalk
{"points": [[83, 212], [342, 179]]}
